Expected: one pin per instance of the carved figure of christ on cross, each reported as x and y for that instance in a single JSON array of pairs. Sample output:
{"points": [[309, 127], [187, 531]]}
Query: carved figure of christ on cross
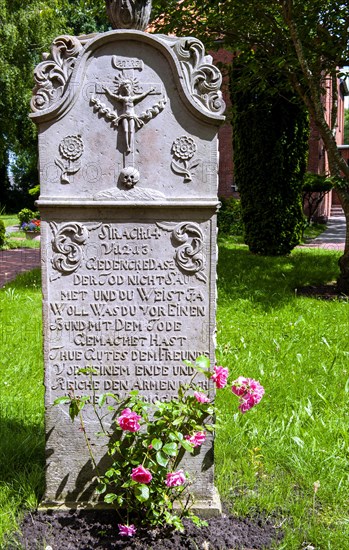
{"points": [[128, 97]]}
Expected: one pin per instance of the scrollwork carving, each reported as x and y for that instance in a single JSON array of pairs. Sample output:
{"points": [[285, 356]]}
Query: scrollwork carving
{"points": [[67, 245], [203, 79], [189, 239], [53, 74]]}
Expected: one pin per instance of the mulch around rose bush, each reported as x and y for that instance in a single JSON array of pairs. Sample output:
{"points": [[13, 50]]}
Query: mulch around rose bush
{"points": [[98, 530]]}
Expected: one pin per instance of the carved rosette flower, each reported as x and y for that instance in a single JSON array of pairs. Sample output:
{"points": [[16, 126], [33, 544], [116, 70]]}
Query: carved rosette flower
{"points": [[189, 255], [184, 148], [129, 14], [71, 147]]}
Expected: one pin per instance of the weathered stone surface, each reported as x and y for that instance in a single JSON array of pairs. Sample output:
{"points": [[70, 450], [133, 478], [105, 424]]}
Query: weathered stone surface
{"points": [[128, 169]]}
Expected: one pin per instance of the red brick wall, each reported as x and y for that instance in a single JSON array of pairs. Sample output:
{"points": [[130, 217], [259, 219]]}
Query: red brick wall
{"points": [[225, 134]]}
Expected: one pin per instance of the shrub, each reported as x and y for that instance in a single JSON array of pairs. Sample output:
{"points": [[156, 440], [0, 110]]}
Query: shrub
{"points": [[270, 133], [2, 233], [26, 215], [229, 217], [315, 188]]}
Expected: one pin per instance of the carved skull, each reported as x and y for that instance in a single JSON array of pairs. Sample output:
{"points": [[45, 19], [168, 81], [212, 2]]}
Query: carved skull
{"points": [[129, 177]]}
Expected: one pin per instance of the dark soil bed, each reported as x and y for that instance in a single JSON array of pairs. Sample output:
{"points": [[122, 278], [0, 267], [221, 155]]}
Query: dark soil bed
{"points": [[97, 530], [323, 292]]}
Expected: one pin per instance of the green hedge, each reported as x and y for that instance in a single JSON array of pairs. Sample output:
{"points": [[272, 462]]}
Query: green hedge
{"points": [[270, 145], [2, 233], [229, 217]]}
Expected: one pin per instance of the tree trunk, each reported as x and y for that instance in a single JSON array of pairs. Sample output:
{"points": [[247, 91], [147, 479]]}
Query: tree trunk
{"points": [[343, 262]]}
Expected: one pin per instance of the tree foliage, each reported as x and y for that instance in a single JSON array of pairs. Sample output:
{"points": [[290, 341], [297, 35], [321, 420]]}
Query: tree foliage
{"points": [[304, 40], [26, 31]]}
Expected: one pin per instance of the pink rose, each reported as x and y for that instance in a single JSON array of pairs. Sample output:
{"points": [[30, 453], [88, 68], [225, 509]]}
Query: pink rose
{"points": [[141, 475], [128, 421], [220, 376], [250, 392], [127, 530], [174, 479], [201, 397], [196, 439]]}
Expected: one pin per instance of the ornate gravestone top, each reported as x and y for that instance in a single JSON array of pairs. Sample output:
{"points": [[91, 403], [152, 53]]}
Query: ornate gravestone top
{"points": [[112, 95]]}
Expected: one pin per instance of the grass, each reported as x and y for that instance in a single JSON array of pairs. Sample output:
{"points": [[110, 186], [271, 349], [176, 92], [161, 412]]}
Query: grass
{"points": [[266, 460], [21, 399], [312, 231], [9, 219], [269, 459]]}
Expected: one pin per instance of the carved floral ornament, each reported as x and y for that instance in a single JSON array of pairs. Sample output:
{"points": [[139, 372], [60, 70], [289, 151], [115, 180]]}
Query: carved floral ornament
{"points": [[71, 149], [189, 240], [183, 150], [202, 78], [67, 245]]}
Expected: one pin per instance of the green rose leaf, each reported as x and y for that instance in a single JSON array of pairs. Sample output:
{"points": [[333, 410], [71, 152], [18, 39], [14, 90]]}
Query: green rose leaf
{"points": [[187, 446], [87, 370], [60, 400], [110, 497], [101, 488], [74, 409], [161, 459], [157, 444], [170, 449], [142, 493], [102, 399], [202, 363]]}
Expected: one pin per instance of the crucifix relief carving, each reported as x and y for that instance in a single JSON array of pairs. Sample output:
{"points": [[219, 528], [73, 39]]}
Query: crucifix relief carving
{"points": [[125, 93], [128, 96]]}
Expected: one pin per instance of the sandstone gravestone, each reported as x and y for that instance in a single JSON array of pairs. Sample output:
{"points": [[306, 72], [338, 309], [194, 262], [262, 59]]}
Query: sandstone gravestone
{"points": [[128, 170]]}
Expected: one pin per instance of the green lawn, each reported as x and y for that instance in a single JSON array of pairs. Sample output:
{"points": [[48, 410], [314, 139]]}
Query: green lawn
{"points": [[266, 460], [9, 219], [21, 399], [269, 459]]}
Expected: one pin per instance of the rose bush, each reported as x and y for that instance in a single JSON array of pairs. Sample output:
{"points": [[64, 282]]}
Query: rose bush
{"points": [[146, 444]]}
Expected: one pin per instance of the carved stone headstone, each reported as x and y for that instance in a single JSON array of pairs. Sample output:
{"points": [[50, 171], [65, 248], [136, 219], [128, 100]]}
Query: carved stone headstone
{"points": [[128, 169]]}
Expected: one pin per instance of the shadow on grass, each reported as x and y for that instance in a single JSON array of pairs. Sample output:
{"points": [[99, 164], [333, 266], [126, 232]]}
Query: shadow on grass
{"points": [[22, 459], [272, 281]]}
